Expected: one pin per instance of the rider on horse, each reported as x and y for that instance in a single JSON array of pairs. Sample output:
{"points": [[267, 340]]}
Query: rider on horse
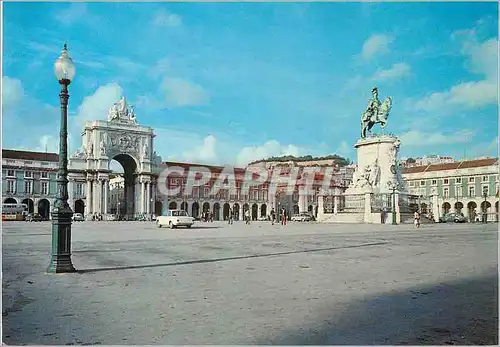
{"points": [[373, 107]]}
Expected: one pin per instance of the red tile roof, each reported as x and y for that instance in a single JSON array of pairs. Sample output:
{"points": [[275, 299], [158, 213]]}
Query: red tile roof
{"points": [[29, 155], [465, 164]]}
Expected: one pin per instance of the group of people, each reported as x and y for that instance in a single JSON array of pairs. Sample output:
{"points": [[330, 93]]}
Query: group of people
{"points": [[207, 216], [282, 217]]}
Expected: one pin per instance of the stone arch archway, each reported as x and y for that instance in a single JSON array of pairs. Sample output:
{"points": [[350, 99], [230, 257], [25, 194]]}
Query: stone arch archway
{"points": [[10, 201], [246, 207], [310, 208], [458, 207], [236, 211], [263, 210], [496, 211], [44, 208], [225, 211], [158, 208], [295, 209], [184, 206], [471, 210], [446, 207], [485, 211], [423, 208], [254, 212], [30, 205], [216, 211], [172, 205], [79, 206], [123, 140], [195, 210]]}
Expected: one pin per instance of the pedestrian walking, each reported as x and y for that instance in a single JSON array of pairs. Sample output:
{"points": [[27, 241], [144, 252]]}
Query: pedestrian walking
{"points": [[283, 217], [273, 216], [230, 216], [247, 216]]}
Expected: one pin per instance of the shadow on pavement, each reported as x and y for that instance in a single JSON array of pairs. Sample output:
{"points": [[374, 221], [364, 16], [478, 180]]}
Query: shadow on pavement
{"points": [[201, 261], [452, 313]]}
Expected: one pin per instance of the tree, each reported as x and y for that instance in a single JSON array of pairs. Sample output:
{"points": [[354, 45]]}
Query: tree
{"points": [[340, 161]]}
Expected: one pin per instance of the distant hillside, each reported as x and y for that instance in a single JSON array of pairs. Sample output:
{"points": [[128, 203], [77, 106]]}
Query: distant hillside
{"points": [[341, 161]]}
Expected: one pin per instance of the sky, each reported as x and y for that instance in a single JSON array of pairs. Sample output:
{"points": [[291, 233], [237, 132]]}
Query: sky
{"points": [[228, 83]]}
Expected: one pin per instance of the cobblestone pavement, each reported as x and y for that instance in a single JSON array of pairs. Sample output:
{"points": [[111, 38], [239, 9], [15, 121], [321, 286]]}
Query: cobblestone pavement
{"points": [[253, 284]]}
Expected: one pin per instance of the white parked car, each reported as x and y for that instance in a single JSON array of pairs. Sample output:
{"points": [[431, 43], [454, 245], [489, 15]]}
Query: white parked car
{"points": [[78, 217], [302, 217], [174, 219]]}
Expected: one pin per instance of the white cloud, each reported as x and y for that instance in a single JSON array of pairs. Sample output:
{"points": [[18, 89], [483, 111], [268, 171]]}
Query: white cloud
{"points": [[161, 67], [468, 94], [97, 105], [48, 143], [206, 153], [376, 44], [167, 19], [178, 92], [344, 149], [269, 149], [12, 91], [482, 59], [396, 71], [76, 11], [415, 138]]}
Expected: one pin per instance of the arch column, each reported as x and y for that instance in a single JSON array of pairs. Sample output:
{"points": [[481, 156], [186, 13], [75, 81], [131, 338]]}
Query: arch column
{"points": [[95, 196], [88, 196], [106, 192], [153, 197]]}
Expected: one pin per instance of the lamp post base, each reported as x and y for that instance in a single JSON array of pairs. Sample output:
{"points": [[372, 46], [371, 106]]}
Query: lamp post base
{"points": [[60, 264], [60, 261]]}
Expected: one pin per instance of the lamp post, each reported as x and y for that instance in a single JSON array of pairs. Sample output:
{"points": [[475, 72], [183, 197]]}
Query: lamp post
{"points": [[278, 213], [393, 188], [485, 213], [60, 261]]}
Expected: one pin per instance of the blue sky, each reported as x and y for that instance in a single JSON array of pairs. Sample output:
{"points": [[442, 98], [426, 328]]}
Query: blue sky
{"points": [[232, 82]]}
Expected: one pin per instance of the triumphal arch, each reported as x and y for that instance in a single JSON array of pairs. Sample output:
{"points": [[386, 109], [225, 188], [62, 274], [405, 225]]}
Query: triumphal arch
{"points": [[122, 139]]}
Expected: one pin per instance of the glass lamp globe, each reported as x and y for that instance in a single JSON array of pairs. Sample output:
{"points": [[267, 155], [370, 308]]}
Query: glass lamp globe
{"points": [[64, 67]]}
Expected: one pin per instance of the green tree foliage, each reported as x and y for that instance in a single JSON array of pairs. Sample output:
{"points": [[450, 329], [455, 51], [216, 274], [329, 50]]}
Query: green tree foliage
{"points": [[341, 161]]}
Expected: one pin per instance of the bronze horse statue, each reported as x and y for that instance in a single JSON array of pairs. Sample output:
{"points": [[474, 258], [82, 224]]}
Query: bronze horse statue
{"points": [[368, 121]]}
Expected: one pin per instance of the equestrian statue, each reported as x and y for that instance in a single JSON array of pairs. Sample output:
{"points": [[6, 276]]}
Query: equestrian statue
{"points": [[376, 113]]}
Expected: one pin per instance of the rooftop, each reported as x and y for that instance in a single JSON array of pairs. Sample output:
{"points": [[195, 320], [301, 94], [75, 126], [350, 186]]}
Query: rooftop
{"points": [[464, 164], [29, 155]]}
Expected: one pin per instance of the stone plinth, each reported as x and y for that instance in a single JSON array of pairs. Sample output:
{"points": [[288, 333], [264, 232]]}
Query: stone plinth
{"points": [[377, 166]]}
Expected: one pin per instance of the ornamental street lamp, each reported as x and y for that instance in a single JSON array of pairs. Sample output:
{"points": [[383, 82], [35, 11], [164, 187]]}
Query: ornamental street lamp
{"points": [[485, 209], [392, 186], [60, 261]]}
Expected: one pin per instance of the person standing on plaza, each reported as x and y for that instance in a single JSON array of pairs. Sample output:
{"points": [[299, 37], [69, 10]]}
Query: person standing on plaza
{"points": [[230, 216], [417, 219], [283, 216], [273, 216], [247, 217]]}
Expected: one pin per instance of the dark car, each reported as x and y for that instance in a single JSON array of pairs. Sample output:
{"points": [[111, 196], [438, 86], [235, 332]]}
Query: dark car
{"points": [[33, 217], [452, 218]]}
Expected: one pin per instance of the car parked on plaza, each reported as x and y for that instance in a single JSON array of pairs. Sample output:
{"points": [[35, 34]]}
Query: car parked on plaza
{"points": [[174, 219], [302, 217], [452, 218], [33, 217], [78, 217]]}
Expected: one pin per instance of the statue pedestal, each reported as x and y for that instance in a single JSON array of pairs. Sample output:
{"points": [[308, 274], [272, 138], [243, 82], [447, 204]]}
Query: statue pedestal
{"points": [[377, 165]]}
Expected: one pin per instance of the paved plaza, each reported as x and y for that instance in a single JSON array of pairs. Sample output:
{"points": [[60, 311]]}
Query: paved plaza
{"points": [[253, 284]]}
